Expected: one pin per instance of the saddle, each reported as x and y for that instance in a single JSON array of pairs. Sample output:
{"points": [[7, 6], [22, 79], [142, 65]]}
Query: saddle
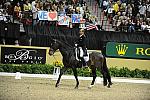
{"points": [[80, 54]]}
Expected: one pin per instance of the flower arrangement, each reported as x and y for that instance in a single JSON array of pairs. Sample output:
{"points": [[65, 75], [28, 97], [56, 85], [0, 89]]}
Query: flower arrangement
{"points": [[58, 64]]}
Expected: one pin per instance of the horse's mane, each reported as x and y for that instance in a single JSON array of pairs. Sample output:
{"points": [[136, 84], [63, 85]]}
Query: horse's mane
{"points": [[65, 44]]}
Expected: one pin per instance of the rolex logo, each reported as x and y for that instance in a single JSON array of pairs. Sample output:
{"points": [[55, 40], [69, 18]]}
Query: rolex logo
{"points": [[121, 49]]}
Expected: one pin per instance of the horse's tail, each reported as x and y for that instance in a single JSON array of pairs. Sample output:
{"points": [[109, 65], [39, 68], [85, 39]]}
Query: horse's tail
{"points": [[104, 64], [106, 70]]}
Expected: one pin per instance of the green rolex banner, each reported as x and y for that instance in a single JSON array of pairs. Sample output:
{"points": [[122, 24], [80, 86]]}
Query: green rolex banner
{"points": [[128, 50]]}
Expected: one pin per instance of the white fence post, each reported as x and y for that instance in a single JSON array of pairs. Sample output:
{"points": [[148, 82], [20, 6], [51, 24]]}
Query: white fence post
{"points": [[18, 75], [56, 73]]}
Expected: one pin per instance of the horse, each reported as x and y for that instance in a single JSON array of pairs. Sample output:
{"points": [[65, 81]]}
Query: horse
{"points": [[96, 61]]}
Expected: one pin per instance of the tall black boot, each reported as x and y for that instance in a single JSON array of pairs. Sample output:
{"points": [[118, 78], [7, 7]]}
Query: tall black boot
{"points": [[84, 63]]}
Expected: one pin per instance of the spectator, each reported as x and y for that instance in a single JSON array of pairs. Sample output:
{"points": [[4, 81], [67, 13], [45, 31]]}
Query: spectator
{"points": [[16, 42], [27, 6], [138, 26], [105, 4], [122, 26], [144, 27], [3, 16], [123, 17], [17, 11], [148, 10], [110, 11], [61, 10], [116, 7], [27, 14], [4, 42], [129, 10], [115, 19], [142, 10], [148, 28], [130, 26], [35, 10]]}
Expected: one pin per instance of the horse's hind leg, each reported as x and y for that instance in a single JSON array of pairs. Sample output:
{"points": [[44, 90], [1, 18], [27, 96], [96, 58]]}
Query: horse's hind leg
{"points": [[76, 77], [105, 68], [61, 73], [108, 77], [104, 75], [93, 68]]}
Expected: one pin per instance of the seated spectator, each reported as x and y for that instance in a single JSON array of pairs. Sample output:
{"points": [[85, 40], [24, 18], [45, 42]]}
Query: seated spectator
{"points": [[148, 28], [3, 15], [148, 10], [123, 17], [61, 10], [115, 19], [144, 27], [123, 7], [122, 26], [138, 26]]}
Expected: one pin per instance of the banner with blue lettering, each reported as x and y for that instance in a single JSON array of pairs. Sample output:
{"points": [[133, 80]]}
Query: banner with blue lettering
{"points": [[63, 20], [50, 16], [42, 15], [75, 18]]}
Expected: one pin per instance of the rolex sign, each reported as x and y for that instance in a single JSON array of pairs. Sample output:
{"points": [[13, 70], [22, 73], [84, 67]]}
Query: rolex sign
{"points": [[128, 50], [16, 55]]}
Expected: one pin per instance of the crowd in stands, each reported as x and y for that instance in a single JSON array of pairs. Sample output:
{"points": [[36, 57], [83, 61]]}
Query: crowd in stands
{"points": [[29, 9], [26, 11], [128, 15], [124, 15]]}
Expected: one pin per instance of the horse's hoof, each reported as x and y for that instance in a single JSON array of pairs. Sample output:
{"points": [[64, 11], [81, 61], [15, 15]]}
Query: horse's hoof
{"points": [[76, 87], [90, 87], [105, 84], [57, 85], [110, 83], [108, 86]]}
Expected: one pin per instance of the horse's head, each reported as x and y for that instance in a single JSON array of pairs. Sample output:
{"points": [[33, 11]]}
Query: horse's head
{"points": [[54, 46]]}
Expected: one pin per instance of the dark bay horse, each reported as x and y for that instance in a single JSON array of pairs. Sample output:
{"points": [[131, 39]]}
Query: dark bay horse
{"points": [[96, 61]]}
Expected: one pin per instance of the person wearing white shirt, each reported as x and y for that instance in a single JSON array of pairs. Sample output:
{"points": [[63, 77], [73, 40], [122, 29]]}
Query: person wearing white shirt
{"points": [[34, 11], [2, 16], [144, 26], [142, 11]]}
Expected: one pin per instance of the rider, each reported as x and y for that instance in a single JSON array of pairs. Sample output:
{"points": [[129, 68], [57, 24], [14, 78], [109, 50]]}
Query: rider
{"points": [[81, 43]]}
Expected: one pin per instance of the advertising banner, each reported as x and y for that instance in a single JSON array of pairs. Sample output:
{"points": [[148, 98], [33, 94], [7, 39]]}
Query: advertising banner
{"points": [[14, 55], [128, 50]]}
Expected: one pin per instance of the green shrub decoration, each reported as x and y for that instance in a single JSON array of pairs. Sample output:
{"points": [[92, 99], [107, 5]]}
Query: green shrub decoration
{"points": [[48, 69]]}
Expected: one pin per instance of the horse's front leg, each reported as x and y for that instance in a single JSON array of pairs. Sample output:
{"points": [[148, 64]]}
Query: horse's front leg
{"points": [[76, 77], [93, 68], [61, 73]]}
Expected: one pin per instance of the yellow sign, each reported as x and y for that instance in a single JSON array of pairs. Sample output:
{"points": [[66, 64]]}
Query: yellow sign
{"points": [[121, 49]]}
